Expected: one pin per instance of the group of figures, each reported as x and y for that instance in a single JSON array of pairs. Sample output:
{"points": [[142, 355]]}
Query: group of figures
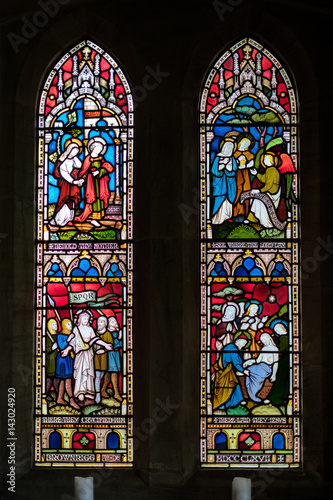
{"points": [[84, 256], [251, 187], [251, 363], [81, 361], [72, 175], [249, 259]]}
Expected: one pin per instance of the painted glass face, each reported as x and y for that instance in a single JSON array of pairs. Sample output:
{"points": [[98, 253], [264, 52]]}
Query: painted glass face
{"points": [[250, 371], [84, 254], [244, 144], [227, 149]]}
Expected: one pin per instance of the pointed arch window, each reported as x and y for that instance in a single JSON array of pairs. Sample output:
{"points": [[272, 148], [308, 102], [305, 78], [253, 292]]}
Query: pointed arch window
{"points": [[84, 254], [250, 358]]}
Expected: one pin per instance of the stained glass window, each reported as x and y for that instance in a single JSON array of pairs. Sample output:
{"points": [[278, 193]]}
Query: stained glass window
{"points": [[250, 338], [84, 254]]}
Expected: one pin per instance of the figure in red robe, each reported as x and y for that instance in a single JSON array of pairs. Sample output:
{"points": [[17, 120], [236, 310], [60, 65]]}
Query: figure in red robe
{"points": [[95, 171]]}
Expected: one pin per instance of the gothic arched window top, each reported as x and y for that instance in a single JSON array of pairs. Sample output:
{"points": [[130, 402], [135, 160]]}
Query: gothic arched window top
{"points": [[249, 259], [87, 72], [84, 255], [249, 75]]}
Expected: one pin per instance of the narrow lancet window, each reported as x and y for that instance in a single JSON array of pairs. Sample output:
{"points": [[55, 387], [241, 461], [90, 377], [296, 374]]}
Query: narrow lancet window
{"points": [[250, 337], [84, 255]]}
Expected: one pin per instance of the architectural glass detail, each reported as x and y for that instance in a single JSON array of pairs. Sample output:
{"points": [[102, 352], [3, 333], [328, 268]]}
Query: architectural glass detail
{"points": [[250, 333], [84, 255]]}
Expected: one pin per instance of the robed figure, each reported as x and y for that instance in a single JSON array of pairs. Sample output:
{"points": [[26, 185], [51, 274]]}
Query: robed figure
{"points": [[228, 367], [66, 172], [95, 172]]}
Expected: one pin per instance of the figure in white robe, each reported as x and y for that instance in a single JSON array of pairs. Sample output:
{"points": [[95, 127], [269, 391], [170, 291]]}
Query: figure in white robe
{"points": [[252, 323], [263, 367], [227, 324], [81, 341]]}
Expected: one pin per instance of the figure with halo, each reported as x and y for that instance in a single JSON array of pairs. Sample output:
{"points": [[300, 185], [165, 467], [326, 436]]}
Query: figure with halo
{"points": [[223, 171], [66, 172], [95, 173], [245, 165], [259, 369]]}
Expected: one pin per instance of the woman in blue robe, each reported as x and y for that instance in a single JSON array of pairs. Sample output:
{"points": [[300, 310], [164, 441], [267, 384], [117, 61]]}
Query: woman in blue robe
{"points": [[227, 390], [224, 170]]}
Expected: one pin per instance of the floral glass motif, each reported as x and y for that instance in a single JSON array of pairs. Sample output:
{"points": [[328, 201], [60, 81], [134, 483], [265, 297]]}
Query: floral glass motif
{"points": [[84, 254], [250, 358]]}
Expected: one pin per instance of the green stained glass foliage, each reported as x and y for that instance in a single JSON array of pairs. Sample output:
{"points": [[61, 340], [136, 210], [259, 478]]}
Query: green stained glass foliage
{"points": [[250, 329], [84, 254]]}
